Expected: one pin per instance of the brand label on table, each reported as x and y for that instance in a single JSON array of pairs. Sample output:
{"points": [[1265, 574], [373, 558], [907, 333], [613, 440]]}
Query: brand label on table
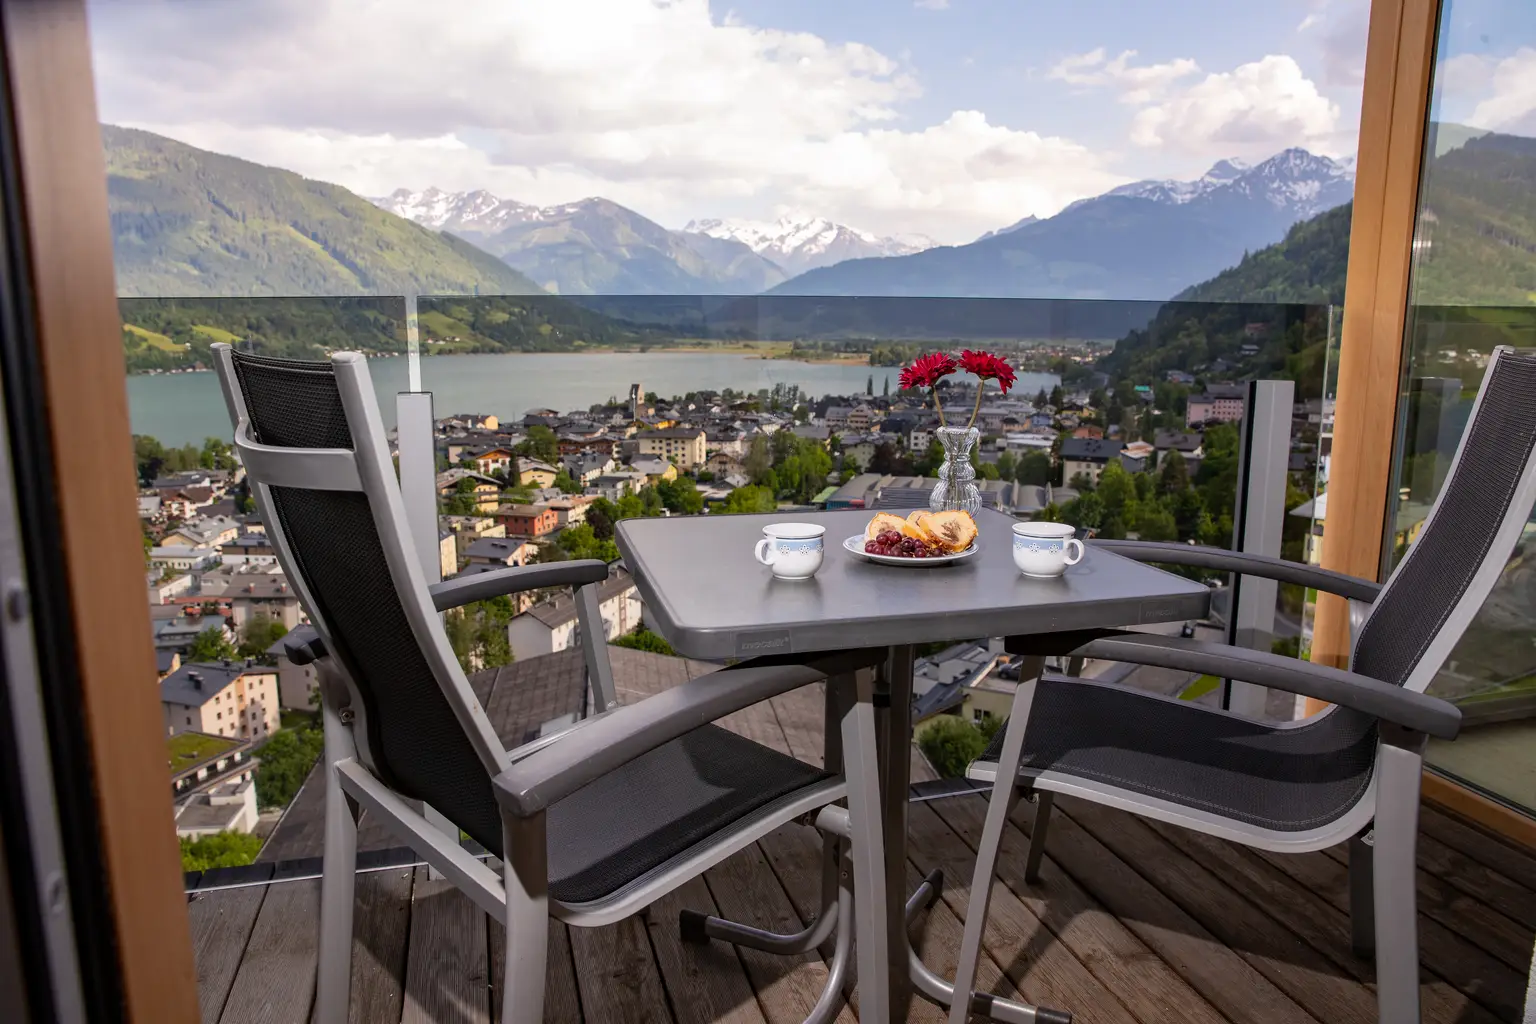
{"points": [[762, 643]]}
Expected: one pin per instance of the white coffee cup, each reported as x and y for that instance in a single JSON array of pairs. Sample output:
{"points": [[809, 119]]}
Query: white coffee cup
{"points": [[792, 550], [1045, 549]]}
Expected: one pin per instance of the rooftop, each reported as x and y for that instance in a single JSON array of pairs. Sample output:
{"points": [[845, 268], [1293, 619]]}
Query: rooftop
{"points": [[189, 751], [195, 683]]}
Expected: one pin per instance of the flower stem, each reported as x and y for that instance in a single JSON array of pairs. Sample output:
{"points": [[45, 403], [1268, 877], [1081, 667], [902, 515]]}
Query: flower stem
{"points": [[980, 386], [939, 407]]}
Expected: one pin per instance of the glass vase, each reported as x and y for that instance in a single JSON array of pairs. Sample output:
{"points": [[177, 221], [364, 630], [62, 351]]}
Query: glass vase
{"points": [[956, 488]]}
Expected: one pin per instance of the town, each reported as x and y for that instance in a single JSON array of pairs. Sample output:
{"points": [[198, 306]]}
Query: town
{"points": [[1154, 460]]}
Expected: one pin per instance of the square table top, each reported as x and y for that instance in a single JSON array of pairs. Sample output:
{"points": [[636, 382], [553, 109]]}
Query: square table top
{"points": [[707, 594]]}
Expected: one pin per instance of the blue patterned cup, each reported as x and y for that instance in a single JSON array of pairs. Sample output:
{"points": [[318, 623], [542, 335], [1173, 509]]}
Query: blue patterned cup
{"points": [[1045, 549], [792, 550]]}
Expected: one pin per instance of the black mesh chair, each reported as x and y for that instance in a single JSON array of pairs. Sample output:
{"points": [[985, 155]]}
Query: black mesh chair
{"points": [[1349, 773], [591, 824]]}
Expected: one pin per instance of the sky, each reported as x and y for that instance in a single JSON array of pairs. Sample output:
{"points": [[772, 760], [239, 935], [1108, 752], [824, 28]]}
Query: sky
{"points": [[945, 118]]}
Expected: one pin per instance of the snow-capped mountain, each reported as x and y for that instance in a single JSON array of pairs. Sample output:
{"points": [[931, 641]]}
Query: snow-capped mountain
{"points": [[1303, 182], [460, 213], [1145, 240], [800, 242]]}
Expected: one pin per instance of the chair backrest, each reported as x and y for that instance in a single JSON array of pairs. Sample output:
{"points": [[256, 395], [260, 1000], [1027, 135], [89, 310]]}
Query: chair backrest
{"points": [[312, 442], [1447, 574]]}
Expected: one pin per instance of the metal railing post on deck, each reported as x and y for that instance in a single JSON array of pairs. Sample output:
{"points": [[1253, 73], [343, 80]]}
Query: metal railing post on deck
{"points": [[415, 432], [1257, 519]]}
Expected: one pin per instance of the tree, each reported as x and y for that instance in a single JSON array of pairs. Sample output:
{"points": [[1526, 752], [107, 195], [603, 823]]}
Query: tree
{"points": [[1116, 489], [601, 515], [1157, 524], [887, 392], [220, 850], [1173, 477], [581, 541], [1085, 511], [541, 444], [750, 499], [643, 639], [1057, 397], [566, 483], [212, 644], [216, 454], [681, 496], [461, 504], [1007, 466], [988, 471], [869, 388], [950, 743], [1082, 483], [1042, 399], [286, 759], [259, 634], [1034, 469], [759, 461]]}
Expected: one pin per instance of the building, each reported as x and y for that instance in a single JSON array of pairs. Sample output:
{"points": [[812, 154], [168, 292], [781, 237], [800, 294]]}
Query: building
{"points": [[1188, 445], [162, 592], [447, 552], [200, 760], [571, 510], [493, 460], [1088, 456], [296, 684], [551, 625], [498, 551], [1221, 403], [528, 520], [532, 473], [183, 558], [861, 417], [684, 446], [859, 450], [231, 698], [656, 470], [269, 594], [586, 466], [856, 493], [485, 491], [472, 421], [209, 531], [252, 549]]}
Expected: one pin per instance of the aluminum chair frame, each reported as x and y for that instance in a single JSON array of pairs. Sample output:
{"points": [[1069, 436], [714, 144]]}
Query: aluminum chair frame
{"points": [[1381, 827], [529, 779]]}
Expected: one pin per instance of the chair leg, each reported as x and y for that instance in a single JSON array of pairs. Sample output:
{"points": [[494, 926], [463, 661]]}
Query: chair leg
{"points": [[1045, 800], [526, 875], [1005, 793], [831, 1000], [1362, 904], [1393, 867], [337, 879]]}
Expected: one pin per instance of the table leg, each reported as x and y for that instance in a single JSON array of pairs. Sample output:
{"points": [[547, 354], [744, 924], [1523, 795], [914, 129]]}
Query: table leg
{"points": [[893, 727]]}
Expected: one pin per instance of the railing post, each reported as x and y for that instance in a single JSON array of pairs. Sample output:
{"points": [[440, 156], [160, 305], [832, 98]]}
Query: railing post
{"points": [[1263, 461]]}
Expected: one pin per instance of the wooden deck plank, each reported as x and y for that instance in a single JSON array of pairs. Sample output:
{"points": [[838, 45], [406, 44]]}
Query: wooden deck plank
{"points": [[1504, 857], [1468, 916], [939, 932], [562, 1003], [705, 983], [1476, 879], [1312, 918], [446, 968], [221, 926], [276, 980], [381, 927], [1120, 978], [746, 890], [801, 715], [1290, 964], [617, 974], [1472, 970], [1222, 977]]}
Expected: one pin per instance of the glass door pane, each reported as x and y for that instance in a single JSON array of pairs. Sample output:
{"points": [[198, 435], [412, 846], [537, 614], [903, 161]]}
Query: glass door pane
{"points": [[1474, 287]]}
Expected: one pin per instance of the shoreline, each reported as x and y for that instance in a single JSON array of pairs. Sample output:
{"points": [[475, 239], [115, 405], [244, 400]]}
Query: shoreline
{"points": [[679, 350]]}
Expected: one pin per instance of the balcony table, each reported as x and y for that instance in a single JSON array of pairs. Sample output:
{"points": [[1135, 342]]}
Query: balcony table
{"points": [[709, 597]]}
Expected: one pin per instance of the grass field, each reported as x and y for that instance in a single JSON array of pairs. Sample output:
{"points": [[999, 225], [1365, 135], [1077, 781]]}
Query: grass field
{"points": [[190, 748], [154, 340], [215, 334], [1200, 687]]}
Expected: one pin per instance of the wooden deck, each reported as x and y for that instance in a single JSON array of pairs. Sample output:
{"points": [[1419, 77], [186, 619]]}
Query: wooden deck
{"points": [[1132, 922]]}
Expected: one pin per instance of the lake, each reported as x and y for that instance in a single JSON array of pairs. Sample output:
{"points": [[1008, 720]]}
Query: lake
{"points": [[183, 408]]}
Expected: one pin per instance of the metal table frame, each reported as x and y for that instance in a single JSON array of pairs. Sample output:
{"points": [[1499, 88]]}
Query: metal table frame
{"points": [[703, 631]]}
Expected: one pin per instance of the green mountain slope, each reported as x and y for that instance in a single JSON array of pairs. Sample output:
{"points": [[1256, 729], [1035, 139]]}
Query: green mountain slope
{"points": [[1306, 266], [1480, 222], [193, 223]]}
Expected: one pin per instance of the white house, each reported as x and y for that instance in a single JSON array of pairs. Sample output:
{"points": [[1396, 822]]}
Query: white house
{"points": [[551, 625]]}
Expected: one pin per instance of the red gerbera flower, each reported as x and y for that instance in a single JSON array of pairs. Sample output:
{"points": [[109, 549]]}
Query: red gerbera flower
{"points": [[927, 371], [986, 366]]}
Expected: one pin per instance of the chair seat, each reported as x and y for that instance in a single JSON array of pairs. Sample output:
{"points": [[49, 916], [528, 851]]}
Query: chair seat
{"points": [[1287, 779], [636, 818]]}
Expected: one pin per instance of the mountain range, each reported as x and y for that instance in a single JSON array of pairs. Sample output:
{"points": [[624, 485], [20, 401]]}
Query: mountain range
{"points": [[590, 247], [193, 223], [801, 242], [1146, 240]]}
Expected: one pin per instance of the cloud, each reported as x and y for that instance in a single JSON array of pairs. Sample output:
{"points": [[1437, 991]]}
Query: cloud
{"points": [[1135, 85], [932, 5], [1250, 111], [656, 104], [1509, 87], [1307, 22]]}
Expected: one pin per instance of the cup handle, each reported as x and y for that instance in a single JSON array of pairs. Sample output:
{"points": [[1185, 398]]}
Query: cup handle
{"points": [[764, 546], [1080, 551]]}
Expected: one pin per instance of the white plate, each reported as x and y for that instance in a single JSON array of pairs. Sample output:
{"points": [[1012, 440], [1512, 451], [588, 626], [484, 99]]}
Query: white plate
{"points": [[855, 545]]}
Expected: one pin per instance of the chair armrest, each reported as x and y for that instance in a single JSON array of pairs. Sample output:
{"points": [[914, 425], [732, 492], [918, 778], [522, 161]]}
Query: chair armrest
{"points": [[1199, 556], [1407, 708], [304, 646], [549, 775], [514, 578]]}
